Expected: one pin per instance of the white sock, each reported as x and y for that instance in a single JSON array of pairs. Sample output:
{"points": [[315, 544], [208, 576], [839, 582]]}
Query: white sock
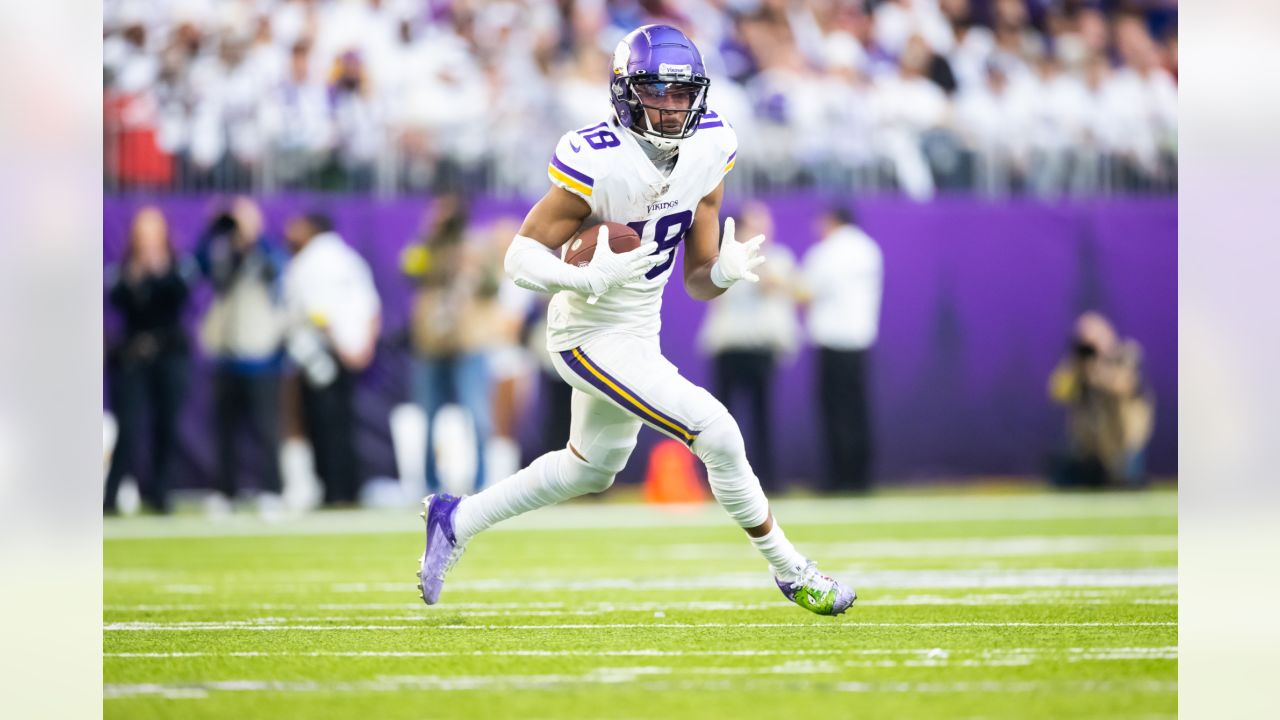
{"points": [[546, 481], [787, 562]]}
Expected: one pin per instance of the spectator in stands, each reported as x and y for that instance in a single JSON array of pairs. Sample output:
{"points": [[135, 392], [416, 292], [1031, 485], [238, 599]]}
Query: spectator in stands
{"points": [[450, 89], [297, 117], [747, 330], [911, 108], [897, 21], [971, 44], [843, 279], [1110, 410], [357, 121], [147, 367], [996, 121], [1016, 42], [1144, 96], [243, 331], [453, 320], [334, 318]]}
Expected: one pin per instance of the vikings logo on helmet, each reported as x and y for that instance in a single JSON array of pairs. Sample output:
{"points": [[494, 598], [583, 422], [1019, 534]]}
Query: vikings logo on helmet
{"points": [[659, 85]]}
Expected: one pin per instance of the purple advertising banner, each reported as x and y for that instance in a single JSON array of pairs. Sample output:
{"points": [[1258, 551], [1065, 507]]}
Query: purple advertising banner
{"points": [[979, 301]]}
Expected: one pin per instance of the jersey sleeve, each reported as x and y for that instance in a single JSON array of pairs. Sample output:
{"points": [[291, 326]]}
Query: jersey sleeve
{"points": [[575, 168], [726, 146]]}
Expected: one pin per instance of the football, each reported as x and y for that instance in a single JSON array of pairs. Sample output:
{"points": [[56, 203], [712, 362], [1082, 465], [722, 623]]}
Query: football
{"points": [[582, 248]]}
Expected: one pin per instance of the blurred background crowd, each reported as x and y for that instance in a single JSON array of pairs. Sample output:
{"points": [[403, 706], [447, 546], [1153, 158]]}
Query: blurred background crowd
{"points": [[1046, 97], [298, 386], [307, 203]]}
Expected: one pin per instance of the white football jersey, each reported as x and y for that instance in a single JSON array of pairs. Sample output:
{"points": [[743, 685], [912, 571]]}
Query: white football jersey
{"points": [[605, 165]]}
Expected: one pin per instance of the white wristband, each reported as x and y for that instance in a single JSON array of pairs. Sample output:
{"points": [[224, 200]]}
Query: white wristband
{"points": [[718, 277]]}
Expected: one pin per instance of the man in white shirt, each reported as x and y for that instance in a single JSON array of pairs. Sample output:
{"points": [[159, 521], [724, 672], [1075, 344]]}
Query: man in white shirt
{"points": [[843, 278], [334, 320], [746, 330]]}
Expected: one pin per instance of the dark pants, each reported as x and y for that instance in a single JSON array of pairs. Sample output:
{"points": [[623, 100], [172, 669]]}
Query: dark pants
{"points": [[842, 395], [252, 401], [142, 391], [749, 373], [329, 413], [559, 412]]}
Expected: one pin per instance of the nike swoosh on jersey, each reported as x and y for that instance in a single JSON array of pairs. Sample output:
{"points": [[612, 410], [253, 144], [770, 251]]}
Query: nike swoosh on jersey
{"points": [[575, 147]]}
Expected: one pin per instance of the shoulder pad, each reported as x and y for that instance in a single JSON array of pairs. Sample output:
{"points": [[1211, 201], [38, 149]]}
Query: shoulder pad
{"points": [[583, 157]]}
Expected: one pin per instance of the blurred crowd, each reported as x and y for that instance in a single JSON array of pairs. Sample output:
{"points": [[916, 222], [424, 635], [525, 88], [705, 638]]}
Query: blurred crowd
{"points": [[291, 327], [294, 323], [916, 96]]}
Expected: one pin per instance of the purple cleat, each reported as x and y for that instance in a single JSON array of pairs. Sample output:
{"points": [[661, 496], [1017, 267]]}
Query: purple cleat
{"points": [[817, 593], [443, 548]]}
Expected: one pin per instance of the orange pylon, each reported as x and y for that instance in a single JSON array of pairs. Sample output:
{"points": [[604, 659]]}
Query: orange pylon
{"points": [[672, 476]]}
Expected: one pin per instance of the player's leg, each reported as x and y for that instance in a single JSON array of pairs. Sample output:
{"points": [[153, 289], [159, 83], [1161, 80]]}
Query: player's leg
{"points": [[633, 374], [601, 438]]}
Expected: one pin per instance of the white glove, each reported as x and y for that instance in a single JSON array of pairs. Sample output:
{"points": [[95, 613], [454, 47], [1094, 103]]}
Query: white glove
{"points": [[534, 267], [737, 259], [608, 269]]}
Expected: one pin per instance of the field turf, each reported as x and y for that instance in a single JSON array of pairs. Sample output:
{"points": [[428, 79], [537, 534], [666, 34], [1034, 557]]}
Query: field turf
{"points": [[970, 605]]}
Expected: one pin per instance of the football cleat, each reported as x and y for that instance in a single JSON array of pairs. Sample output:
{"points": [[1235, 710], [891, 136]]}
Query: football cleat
{"points": [[443, 548], [817, 593]]}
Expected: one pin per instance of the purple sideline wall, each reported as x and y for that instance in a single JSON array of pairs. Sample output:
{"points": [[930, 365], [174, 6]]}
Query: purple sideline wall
{"points": [[979, 299]]}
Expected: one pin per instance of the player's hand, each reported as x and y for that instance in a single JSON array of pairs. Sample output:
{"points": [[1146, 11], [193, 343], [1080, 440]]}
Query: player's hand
{"points": [[737, 259], [608, 269]]}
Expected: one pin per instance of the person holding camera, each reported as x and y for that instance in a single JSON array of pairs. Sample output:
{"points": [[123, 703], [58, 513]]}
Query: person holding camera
{"points": [[1110, 410], [243, 332], [455, 321]]}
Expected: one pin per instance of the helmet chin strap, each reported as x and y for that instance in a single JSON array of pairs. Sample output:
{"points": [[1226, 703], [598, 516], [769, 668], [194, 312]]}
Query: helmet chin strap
{"points": [[665, 144], [663, 156]]}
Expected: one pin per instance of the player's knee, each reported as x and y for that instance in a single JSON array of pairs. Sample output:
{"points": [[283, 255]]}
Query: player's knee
{"points": [[721, 448], [720, 444], [586, 477]]}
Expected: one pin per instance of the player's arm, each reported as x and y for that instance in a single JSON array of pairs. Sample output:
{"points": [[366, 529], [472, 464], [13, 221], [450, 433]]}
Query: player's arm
{"points": [[710, 266], [553, 220]]}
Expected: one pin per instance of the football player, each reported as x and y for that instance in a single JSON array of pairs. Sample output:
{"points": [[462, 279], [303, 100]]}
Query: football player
{"points": [[656, 164]]}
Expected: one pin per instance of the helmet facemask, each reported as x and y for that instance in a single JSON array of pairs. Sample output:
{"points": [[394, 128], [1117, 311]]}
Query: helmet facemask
{"points": [[664, 110]]}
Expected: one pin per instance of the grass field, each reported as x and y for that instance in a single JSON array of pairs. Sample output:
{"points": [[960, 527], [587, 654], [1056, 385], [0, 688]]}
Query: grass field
{"points": [[970, 605]]}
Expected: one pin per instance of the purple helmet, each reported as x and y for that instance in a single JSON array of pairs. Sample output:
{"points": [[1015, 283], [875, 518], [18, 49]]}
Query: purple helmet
{"points": [[657, 68]]}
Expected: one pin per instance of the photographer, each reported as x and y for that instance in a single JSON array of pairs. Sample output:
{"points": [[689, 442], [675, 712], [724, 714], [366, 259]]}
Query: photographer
{"points": [[1110, 411], [454, 320], [243, 331]]}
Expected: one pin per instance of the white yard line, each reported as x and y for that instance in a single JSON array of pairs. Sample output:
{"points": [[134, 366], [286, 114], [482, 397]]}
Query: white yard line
{"points": [[586, 516], [252, 626], [1035, 577], [1079, 653], [1020, 546], [1100, 596], [866, 579], [650, 678]]}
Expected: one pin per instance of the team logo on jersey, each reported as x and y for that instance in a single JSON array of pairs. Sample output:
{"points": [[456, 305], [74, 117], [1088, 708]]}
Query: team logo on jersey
{"points": [[660, 206]]}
